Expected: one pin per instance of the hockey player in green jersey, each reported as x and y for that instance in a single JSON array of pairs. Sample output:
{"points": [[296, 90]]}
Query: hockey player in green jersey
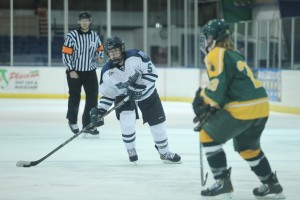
{"points": [[235, 106]]}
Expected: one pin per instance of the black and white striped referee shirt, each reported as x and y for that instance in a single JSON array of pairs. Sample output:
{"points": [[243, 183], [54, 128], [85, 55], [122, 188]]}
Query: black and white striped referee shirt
{"points": [[80, 50]]}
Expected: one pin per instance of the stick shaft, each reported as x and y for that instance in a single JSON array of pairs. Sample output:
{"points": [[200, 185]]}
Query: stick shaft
{"points": [[201, 164], [203, 179]]}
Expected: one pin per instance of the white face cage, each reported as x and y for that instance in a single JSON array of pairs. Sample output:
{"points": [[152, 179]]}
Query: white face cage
{"points": [[202, 43], [115, 55], [206, 44]]}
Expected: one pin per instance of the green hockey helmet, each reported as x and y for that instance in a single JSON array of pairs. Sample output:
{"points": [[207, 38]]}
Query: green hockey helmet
{"points": [[218, 29], [214, 31]]}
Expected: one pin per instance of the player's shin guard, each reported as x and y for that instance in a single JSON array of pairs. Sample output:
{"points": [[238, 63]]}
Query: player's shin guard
{"points": [[161, 144], [258, 163], [160, 137], [217, 161], [127, 124], [216, 158]]}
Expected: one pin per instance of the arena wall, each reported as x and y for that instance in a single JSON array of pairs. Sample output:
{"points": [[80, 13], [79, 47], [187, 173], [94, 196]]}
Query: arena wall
{"points": [[174, 84]]}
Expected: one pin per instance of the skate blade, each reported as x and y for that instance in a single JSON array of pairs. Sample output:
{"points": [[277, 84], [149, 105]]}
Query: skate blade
{"points": [[134, 163], [170, 162], [225, 196], [272, 196], [90, 136]]}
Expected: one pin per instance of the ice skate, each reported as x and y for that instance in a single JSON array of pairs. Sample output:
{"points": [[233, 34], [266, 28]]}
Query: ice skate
{"points": [[90, 133], [221, 186], [132, 155], [74, 128], [271, 190], [169, 157]]}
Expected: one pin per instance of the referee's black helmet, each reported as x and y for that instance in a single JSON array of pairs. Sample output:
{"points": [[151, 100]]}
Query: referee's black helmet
{"points": [[84, 15]]}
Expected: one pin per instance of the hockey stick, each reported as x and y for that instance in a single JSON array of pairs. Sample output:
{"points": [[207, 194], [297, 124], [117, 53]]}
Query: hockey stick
{"points": [[203, 180], [197, 129], [34, 163]]}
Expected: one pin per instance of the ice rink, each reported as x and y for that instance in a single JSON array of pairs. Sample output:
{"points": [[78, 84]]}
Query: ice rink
{"points": [[90, 169]]}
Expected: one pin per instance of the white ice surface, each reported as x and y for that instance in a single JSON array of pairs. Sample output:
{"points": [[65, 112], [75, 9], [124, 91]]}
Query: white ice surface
{"points": [[88, 169]]}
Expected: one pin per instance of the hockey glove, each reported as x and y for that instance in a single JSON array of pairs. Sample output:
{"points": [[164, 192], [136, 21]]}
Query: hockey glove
{"points": [[135, 91], [197, 102], [205, 112], [95, 115], [201, 110]]}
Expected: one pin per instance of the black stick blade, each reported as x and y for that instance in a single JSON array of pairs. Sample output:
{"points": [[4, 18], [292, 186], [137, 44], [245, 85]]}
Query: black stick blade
{"points": [[204, 181], [23, 163]]}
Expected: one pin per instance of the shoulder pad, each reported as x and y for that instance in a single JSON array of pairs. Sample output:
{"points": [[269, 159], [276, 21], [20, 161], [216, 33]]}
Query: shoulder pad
{"points": [[137, 53], [105, 68], [214, 62]]}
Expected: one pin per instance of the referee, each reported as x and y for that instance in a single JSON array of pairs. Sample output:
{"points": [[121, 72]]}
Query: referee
{"points": [[79, 53]]}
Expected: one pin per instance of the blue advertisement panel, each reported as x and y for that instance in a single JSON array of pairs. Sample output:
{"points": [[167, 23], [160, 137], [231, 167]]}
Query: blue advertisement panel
{"points": [[272, 81]]}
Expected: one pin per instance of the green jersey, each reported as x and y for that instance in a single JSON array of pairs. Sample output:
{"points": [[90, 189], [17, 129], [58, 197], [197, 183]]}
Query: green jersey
{"points": [[233, 86]]}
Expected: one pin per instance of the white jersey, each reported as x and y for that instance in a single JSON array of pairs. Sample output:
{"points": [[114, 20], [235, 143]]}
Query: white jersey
{"points": [[114, 81]]}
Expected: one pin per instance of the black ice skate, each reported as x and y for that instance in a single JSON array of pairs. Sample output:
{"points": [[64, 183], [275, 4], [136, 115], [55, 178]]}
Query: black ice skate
{"points": [[221, 186], [132, 155], [91, 133], [74, 128], [272, 189], [169, 157]]}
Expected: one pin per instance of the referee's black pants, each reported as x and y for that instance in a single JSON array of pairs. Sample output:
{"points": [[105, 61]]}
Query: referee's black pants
{"points": [[89, 81]]}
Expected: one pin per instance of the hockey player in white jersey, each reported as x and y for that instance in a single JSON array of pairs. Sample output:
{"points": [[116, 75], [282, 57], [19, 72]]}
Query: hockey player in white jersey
{"points": [[131, 73]]}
